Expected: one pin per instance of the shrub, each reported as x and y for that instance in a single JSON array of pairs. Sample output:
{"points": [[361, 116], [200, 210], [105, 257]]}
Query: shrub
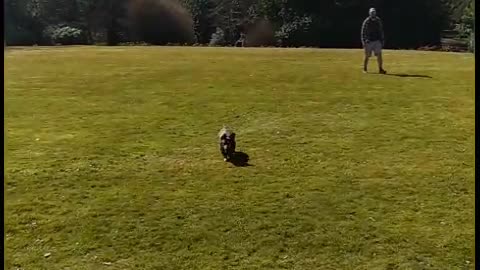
{"points": [[218, 38], [260, 34], [294, 32], [65, 35], [471, 44], [160, 22], [17, 36]]}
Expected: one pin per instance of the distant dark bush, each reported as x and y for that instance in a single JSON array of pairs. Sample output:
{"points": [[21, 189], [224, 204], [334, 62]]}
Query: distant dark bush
{"points": [[160, 22], [260, 34], [472, 43], [17, 36], [140, 43]]}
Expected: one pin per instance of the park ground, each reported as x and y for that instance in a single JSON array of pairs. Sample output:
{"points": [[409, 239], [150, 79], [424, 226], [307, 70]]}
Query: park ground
{"points": [[112, 159]]}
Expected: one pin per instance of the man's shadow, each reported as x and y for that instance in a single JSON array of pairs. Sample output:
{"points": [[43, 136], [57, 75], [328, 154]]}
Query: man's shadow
{"points": [[403, 75], [240, 159]]}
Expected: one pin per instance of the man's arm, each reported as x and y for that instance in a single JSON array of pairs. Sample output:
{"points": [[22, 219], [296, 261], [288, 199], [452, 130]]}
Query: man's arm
{"points": [[363, 32], [382, 34]]}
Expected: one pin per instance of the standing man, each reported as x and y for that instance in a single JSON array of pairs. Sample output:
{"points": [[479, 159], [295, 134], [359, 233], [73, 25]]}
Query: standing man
{"points": [[373, 39]]}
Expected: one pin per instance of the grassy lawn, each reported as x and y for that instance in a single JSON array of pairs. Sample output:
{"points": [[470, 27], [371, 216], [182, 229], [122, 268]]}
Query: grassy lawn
{"points": [[112, 159]]}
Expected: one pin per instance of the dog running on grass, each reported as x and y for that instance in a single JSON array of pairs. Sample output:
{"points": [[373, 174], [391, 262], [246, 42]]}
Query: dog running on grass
{"points": [[227, 143]]}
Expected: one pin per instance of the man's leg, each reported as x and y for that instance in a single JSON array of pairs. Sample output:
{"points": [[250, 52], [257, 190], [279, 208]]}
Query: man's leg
{"points": [[365, 63], [380, 64], [380, 61], [378, 52], [368, 53]]}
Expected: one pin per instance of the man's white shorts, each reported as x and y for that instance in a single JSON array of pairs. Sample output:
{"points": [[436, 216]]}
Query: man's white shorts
{"points": [[373, 46]]}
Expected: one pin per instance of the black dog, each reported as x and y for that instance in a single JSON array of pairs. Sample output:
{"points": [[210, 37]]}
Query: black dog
{"points": [[227, 143]]}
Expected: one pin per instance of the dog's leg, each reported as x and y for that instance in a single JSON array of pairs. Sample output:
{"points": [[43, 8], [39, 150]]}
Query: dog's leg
{"points": [[224, 153]]}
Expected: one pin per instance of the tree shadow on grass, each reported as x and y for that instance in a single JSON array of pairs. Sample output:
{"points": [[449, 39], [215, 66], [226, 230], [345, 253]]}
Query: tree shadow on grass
{"points": [[240, 159]]}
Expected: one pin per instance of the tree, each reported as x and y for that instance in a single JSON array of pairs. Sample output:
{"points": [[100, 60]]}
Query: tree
{"points": [[329, 23], [466, 26], [203, 16], [24, 24], [161, 22]]}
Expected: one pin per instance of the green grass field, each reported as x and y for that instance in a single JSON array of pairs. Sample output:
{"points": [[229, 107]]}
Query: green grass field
{"points": [[112, 159]]}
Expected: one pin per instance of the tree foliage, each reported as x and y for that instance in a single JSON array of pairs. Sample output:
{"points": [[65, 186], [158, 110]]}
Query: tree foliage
{"points": [[329, 23], [467, 25], [160, 22]]}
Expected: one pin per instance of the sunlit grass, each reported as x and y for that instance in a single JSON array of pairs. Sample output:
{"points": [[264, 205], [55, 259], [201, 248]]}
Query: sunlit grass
{"points": [[112, 159]]}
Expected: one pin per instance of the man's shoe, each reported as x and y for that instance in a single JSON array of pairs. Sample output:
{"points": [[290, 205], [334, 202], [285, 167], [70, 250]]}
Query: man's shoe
{"points": [[383, 71], [365, 71]]}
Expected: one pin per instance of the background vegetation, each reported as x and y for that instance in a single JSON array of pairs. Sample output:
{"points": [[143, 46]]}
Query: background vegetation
{"points": [[329, 23]]}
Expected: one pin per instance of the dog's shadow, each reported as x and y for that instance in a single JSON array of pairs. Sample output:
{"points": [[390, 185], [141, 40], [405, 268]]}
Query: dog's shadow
{"points": [[403, 75], [240, 159]]}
